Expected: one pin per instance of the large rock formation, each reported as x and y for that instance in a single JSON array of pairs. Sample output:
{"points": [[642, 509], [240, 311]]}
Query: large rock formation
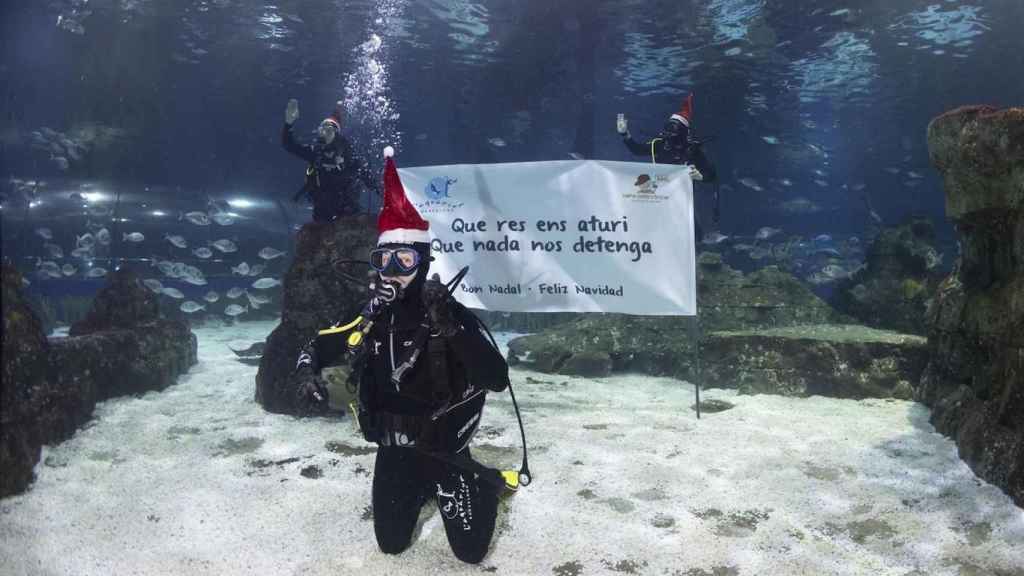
{"points": [[900, 275], [315, 296], [25, 353], [975, 379], [50, 388], [599, 344], [122, 304], [827, 360]]}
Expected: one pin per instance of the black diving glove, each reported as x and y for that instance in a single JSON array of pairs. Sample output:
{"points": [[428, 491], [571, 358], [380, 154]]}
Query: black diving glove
{"points": [[311, 395], [437, 301]]}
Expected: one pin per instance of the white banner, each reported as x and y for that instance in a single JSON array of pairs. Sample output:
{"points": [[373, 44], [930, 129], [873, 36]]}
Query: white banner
{"points": [[568, 236]]}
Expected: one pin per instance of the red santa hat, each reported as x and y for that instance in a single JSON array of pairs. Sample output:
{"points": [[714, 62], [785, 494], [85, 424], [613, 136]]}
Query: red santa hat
{"points": [[685, 111], [335, 117], [399, 222]]}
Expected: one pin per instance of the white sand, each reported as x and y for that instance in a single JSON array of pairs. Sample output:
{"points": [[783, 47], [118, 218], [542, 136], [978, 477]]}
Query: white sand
{"points": [[626, 480]]}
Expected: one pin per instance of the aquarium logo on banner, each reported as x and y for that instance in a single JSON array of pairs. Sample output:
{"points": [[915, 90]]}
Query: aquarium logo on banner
{"points": [[570, 236], [437, 191]]}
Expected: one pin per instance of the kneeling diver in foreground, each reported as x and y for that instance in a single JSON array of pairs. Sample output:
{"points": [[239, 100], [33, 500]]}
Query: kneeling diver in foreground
{"points": [[423, 364]]}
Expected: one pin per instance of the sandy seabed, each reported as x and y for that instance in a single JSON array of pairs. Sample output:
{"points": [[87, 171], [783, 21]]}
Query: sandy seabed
{"points": [[198, 479]]}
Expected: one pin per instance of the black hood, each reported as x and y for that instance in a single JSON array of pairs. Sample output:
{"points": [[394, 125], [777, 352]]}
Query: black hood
{"points": [[675, 133]]}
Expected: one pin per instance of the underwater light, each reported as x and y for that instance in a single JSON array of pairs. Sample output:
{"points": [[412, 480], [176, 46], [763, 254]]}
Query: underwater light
{"points": [[94, 196], [34, 203], [158, 213], [241, 203]]}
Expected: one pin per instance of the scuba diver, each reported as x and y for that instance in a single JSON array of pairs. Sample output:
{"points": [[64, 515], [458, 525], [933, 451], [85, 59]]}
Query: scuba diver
{"points": [[676, 145], [422, 367], [332, 168]]}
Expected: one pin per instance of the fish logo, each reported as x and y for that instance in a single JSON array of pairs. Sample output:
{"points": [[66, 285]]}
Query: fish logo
{"points": [[438, 187]]}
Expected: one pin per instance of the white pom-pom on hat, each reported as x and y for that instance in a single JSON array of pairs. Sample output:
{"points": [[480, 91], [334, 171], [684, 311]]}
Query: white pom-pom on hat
{"points": [[389, 151]]}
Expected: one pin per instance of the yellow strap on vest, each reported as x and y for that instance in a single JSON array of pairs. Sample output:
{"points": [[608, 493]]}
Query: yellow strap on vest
{"points": [[337, 329]]}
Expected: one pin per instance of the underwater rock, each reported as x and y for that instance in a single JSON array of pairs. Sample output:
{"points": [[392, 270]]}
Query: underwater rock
{"points": [[595, 344], [315, 297], [25, 350], [901, 273], [598, 344], [974, 381], [50, 388], [826, 360], [123, 303]]}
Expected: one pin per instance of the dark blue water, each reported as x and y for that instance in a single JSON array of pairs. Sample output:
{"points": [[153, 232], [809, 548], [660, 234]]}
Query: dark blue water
{"points": [[180, 104]]}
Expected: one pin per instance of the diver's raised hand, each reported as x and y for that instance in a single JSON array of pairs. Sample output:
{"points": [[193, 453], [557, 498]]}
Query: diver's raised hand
{"points": [[291, 113], [621, 125]]}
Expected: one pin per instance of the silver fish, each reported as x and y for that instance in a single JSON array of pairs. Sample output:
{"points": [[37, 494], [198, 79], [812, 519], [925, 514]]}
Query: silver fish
{"points": [[68, 270], [103, 236], [714, 238], [224, 245], [96, 272], [268, 253], [133, 237], [47, 265], [799, 206], [190, 307], [235, 292], [223, 218], [197, 218], [766, 232], [45, 233], [256, 300], [211, 296], [203, 252], [265, 283], [85, 241], [195, 281], [82, 252], [497, 142], [176, 240], [235, 310], [166, 267], [751, 183], [242, 269], [835, 271], [256, 269], [153, 285], [173, 293]]}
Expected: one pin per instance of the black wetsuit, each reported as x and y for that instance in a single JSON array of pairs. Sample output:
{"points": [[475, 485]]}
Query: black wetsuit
{"points": [[330, 177], [679, 150], [666, 152], [419, 456]]}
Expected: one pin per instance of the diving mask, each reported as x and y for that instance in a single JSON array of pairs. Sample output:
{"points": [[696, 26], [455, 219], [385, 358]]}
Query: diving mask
{"points": [[394, 261]]}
